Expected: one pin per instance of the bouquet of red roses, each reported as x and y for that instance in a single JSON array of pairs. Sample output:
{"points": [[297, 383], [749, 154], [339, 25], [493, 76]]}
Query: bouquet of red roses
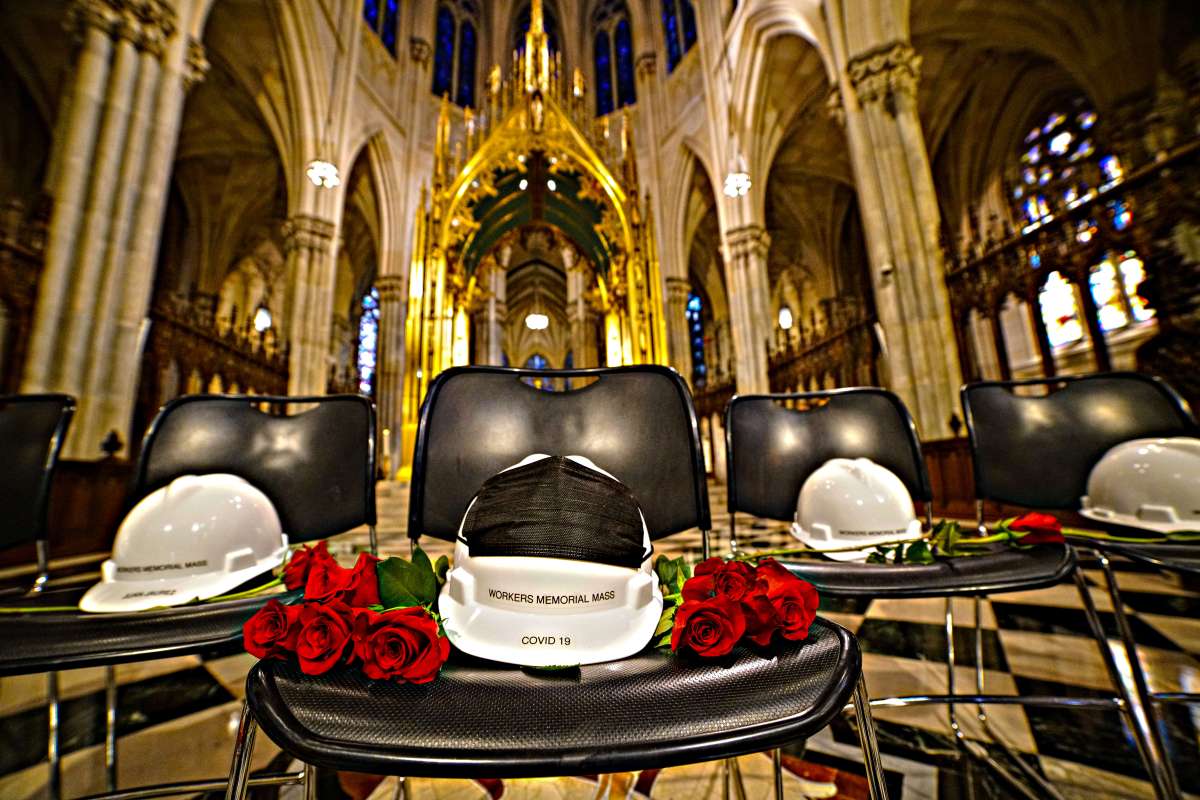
{"points": [[378, 615], [726, 602]]}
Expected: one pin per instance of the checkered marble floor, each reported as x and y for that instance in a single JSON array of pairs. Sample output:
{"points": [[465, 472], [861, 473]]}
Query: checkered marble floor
{"points": [[178, 716]]}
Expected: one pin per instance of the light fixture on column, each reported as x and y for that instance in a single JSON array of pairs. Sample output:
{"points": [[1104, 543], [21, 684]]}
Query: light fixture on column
{"points": [[535, 320], [737, 180], [785, 318], [323, 174], [262, 319]]}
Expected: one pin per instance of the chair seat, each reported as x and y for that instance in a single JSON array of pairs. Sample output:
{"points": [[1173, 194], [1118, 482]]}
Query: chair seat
{"points": [[1003, 570], [1175, 557], [480, 719], [45, 641]]}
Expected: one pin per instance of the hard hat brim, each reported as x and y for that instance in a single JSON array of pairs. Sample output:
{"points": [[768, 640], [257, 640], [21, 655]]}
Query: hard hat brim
{"points": [[1128, 521], [119, 596], [911, 534]]}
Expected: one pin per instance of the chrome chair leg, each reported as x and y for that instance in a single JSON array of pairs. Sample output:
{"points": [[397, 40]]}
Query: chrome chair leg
{"points": [[54, 782], [739, 785], [374, 540], [704, 544], [243, 752], [733, 545], [401, 792], [1150, 720], [310, 782], [867, 740], [1153, 758], [110, 728], [777, 765]]}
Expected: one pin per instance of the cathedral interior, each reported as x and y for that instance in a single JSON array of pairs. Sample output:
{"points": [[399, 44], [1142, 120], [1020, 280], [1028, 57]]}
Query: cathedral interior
{"points": [[314, 197]]}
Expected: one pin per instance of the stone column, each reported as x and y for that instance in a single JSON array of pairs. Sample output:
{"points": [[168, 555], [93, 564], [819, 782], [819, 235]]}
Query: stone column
{"points": [[308, 242], [497, 306], [679, 336], [901, 220], [389, 374], [581, 320], [746, 276]]}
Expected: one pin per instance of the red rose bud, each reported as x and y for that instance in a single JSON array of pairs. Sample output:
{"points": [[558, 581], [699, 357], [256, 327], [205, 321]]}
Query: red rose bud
{"points": [[762, 620], [402, 644], [699, 587], [710, 627], [1037, 528], [709, 565], [295, 573], [735, 579], [324, 635], [796, 603], [271, 632], [363, 587]]}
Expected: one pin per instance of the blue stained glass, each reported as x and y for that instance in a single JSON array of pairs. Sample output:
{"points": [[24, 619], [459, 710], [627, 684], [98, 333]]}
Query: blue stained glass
{"points": [[688, 13], [623, 44], [368, 342], [694, 311], [388, 34], [443, 57], [604, 89], [466, 65], [538, 361], [371, 13], [671, 28]]}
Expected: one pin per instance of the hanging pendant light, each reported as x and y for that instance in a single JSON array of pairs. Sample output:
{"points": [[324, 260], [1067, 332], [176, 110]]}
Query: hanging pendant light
{"points": [[536, 320]]}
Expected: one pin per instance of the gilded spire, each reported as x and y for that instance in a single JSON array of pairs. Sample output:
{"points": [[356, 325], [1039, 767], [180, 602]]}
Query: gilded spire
{"points": [[536, 21], [537, 52]]}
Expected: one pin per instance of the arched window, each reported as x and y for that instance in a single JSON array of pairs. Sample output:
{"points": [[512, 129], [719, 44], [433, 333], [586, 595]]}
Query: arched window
{"points": [[383, 24], [695, 322], [455, 52], [368, 342], [1061, 166], [613, 57], [679, 28], [538, 361], [549, 25]]}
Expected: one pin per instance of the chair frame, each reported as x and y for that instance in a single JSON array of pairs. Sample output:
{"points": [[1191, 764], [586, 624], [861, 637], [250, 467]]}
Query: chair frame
{"points": [[239, 779], [1139, 708], [952, 698], [137, 491]]}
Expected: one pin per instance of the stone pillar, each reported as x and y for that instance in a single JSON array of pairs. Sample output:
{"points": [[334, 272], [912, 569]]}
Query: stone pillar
{"points": [[497, 305], [581, 320], [716, 425], [679, 336], [746, 276], [901, 222], [308, 242], [389, 375], [115, 140]]}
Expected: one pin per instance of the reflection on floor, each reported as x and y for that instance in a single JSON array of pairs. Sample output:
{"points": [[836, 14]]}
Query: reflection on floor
{"points": [[178, 715]]}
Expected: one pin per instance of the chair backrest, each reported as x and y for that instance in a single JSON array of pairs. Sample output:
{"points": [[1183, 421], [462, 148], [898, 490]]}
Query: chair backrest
{"points": [[771, 449], [1038, 450], [638, 423], [32, 430], [317, 467]]}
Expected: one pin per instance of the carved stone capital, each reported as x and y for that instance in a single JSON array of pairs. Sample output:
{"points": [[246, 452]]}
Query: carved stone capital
{"points": [[647, 64], [196, 66], [677, 291], [750, 241], [85, 14], [880, 74], [156, 21], [834, 107], [390, 287], [419, 50], [306, 232]]}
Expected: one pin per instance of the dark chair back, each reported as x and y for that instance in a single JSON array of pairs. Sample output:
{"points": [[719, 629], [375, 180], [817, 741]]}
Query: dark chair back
{"points": [[636, 422], [772, 449], [1037, 451], [32, 430], [317, 467]]}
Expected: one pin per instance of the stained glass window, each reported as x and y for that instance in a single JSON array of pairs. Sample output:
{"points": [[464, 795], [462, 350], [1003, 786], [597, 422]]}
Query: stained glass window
{"points": [[384, 25], [671, 30], [687, 16], [549, 25], [537, 361], [1060, 310], [466, 65], [604, 89], [623, 44], [1110, 305], [694, 312], [443, 56], [1133, 272], [368, 342]]}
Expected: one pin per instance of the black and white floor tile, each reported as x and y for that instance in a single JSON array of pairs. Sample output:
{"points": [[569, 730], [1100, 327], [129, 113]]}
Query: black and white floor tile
{"points": [[178, 716]]}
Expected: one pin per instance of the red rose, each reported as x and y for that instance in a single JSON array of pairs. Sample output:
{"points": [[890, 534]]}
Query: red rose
{"points": [[762, 620], [1038, 528], [271, 632], [327, 580], [363, 588], [324, 634], [710, 627], [774, 573], [795, 600], [295, 573], [402, 644], [732, 579]]}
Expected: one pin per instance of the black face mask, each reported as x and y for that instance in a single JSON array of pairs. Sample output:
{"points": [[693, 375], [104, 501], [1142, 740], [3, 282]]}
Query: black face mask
{"points": [[556, 508]]}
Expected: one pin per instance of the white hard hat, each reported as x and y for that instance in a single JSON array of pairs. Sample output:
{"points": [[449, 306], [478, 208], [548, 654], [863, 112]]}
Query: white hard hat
{"points": [[196, 538], [560, 573], [1147, 483], [854, 502]]}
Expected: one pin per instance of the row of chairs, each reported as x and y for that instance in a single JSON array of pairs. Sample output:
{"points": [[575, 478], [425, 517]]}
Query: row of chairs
{"points": [[639, 423]]}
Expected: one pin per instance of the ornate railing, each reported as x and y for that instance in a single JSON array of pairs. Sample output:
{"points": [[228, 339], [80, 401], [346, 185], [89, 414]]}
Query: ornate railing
{"points": [[22, 247], [839, 352], [1163, 198]]}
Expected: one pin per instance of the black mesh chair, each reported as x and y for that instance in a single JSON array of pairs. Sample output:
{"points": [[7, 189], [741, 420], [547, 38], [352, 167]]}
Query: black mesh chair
{"points": [[480, 719], [317, 468], [771, 448], [32, 430], [1056, 430]]}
